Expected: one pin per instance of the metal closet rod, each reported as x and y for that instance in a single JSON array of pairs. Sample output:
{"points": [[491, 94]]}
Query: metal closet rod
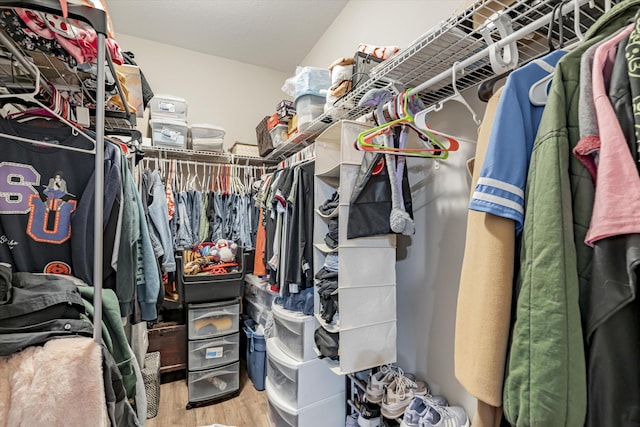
{"points": [[515, 36]]}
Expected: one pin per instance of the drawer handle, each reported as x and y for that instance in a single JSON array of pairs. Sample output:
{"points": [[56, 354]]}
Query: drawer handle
{"points": [[213, 344], [213, 374], [215, 314]]}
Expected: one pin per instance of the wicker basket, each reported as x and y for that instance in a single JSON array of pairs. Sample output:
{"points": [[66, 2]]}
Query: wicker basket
{"points": [[151, 377]]}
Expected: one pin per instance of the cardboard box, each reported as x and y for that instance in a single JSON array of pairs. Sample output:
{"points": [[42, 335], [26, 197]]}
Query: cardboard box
{"points": [[293, 125]]}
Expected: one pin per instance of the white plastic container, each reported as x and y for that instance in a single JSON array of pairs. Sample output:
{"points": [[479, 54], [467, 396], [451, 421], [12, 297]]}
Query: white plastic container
{"points": [[213, 383], [325, 413], [299, 384], [207, 144], [206, 131], [168, 133], [206, 354], [213, 319], [295, 332], [169, 107], [278, 134], [308, 108]]}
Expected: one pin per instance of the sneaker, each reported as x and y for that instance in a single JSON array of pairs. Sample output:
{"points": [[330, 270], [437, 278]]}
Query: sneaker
{"points": [[379, 380], [369, 415], [420, 407], [351, 421], [445, 416], [399, 394]]}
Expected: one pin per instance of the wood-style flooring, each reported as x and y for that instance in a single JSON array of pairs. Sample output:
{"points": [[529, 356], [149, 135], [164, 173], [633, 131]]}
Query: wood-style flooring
{"points": [[249, 409]]}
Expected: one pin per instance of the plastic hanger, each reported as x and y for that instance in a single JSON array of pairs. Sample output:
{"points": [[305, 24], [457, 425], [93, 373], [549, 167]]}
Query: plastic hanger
{"points": [[457, 96], [538, 92], [365, 139]]}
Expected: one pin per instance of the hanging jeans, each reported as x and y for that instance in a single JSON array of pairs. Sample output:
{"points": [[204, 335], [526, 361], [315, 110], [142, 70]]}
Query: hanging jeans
{"points": [[183, 234]]}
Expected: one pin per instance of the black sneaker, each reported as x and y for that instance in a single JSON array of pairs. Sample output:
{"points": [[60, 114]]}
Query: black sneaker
{"points": [[369, 415]]}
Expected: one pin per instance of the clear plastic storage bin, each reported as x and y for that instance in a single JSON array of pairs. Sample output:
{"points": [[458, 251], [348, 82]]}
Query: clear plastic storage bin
{"points": [[279, 134], [206, 137], [297, 383], [213, 383], [210, 353], [168, 106], [308, 108], [295, 332], [213, 319], [168, 133]]}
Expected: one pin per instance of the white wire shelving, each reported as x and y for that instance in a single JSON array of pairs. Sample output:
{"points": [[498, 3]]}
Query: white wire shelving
{"points": [[464, 38]]}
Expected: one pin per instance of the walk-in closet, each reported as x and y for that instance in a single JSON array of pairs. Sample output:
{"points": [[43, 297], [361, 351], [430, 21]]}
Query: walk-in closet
{"points": [[319, 213]]}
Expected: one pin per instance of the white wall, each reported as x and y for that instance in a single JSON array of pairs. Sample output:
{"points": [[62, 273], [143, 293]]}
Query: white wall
{"points": [[377, 22], [428, 267], [219, 91]]}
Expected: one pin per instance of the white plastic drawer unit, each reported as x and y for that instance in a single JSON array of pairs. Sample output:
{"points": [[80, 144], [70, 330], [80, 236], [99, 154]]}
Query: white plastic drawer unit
{"points": [[168, 106], [209, 353], [213, 383], [213, 319], [324, 413], [169, 133], [295, 332], [299, 384]]}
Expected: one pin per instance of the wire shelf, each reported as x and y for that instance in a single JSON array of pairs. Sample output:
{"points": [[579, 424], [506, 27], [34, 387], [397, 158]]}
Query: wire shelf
{"points": [[459, 38], [208, 156]]}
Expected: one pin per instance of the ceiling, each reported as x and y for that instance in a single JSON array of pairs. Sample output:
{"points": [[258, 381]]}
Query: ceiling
{"points": [[276, 34]]}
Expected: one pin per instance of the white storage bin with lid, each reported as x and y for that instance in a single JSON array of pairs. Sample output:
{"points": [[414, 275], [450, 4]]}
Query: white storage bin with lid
{"points": [[168, 133], [299, 384], [308, 108], [206, 131], [210, 353], [279, 134], [213, 383], [207, 144], [295, 331], [325, 413], [213, 319], [168, 106]]}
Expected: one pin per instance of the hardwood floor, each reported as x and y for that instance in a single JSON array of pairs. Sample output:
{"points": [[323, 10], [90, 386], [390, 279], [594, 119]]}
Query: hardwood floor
{"points": [[249, 409]]}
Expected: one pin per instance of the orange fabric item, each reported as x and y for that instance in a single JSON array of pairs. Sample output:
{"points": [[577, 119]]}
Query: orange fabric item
{"points": [[259, 267]]}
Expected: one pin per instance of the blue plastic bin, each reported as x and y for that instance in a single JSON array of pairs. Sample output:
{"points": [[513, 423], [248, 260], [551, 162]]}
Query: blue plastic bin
{"points": [[256, 355]]}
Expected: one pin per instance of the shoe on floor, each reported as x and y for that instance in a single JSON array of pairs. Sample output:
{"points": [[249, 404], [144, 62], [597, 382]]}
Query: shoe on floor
{"points": [[379, 380], [399, 394], [420, 407], [369, 415], [445, 416]]}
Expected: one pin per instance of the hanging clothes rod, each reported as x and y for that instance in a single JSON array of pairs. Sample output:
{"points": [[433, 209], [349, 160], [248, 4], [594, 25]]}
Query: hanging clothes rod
{"points": [[515, 36], [99, 192]]}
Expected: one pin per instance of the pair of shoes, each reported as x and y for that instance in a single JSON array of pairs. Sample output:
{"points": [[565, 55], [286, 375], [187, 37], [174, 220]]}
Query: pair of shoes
{"points": [[378, 382], [399, 394], [421, 407], [369, 415], [432, 411]]}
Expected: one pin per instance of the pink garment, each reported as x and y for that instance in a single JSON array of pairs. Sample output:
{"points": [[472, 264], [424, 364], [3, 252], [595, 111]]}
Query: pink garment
{"points": [[617, 196], [76, 37]]}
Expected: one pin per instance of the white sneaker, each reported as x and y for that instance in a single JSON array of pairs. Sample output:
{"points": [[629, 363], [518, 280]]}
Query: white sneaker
{"points": [[380, 380], [445, 416], [399, 394]]}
